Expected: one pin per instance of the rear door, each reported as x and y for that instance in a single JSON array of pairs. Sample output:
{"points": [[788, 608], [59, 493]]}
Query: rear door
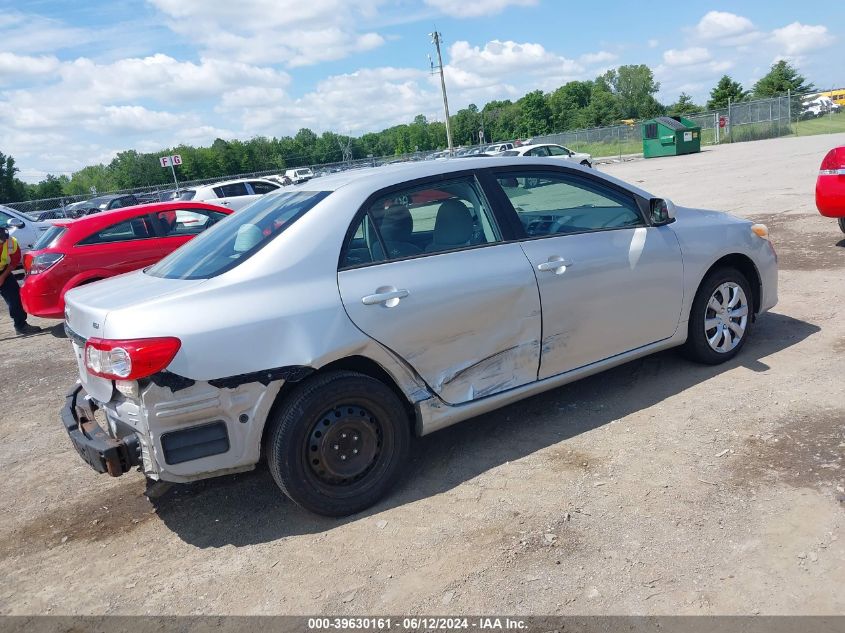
{"points": [[609, 282], [426, 273], [234, 195]]}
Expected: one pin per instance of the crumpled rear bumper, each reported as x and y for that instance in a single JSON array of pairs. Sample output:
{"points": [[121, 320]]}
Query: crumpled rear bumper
{"points": [[97, 448]]}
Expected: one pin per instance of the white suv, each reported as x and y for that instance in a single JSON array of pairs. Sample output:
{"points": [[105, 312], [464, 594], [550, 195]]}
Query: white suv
{"points": [[235, 194]]}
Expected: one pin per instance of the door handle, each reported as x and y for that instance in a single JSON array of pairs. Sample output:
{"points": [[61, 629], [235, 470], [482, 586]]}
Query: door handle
{"points": [[389, 297], [555, 264]]}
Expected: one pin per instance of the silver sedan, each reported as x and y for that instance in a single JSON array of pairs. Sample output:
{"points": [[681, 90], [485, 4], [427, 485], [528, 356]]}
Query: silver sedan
{"points": [[325, 324]]}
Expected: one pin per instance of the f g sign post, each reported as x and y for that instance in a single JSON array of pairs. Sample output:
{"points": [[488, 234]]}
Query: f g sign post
{"points": [[171, 161]]}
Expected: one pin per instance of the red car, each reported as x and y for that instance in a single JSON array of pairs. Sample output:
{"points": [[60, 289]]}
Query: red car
{"points": [[830, 186], [76, 252]]}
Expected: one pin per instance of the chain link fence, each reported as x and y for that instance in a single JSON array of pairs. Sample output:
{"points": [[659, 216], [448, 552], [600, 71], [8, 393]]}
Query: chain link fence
{"points": [[744, 121]]}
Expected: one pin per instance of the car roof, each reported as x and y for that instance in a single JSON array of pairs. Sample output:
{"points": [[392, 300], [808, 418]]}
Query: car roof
{"points": [[105, 218], [375, 178], [233, 181], [533, 145]]}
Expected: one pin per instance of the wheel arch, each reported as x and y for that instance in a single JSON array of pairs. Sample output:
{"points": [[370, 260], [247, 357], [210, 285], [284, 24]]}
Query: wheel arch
{"points": [[357, 363], [744, 264]]}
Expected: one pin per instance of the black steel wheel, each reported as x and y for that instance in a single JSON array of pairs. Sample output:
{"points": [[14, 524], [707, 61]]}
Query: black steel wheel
{"points": [[338, 443]]}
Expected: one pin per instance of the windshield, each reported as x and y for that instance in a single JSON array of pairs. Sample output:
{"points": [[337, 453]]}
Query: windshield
{"points": [[186, 194], [236, 238], [510, 152]]}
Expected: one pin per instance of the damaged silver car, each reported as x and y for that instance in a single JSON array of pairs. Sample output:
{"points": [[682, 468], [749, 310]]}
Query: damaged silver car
{"points": [[322, 326]]}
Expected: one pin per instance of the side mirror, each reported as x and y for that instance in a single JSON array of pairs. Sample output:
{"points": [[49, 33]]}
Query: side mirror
{"points": [[15, 223], [662, 211]]}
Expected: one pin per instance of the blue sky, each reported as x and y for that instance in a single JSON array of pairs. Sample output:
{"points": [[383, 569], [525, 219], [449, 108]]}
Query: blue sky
{"points": [[82, 81]]}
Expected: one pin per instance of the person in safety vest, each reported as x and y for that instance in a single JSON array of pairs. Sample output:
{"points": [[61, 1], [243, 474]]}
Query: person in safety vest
{"points": [[10, 258]]}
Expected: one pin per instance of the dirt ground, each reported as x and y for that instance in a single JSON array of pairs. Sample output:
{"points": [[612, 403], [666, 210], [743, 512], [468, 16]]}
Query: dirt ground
{"points": [[659, 487]]}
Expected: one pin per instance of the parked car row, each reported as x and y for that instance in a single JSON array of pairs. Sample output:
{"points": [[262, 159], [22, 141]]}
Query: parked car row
{"points": [[324, 324]]}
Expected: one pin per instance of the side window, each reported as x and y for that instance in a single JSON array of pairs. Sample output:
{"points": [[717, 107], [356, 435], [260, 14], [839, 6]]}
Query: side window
{"points": [[187, 221], [434, 218], [134, 229], [553, 203], [231, 190], [262, 187], [539, 151], [4, 218], [363, 247], [554, 150]]}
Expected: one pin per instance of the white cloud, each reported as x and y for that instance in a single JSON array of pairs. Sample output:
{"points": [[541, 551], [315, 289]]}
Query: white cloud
{"points": [[291, 32], [496, 60], [686, 57], [653, 43], [25, 67], [32, 33], [601, 57], [797, 38], [476, 8], [162, 77], [718, 25]]}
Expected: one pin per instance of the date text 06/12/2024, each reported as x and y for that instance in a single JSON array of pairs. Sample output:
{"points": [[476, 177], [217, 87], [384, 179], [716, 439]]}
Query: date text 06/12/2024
{"points": [[415, 624]]}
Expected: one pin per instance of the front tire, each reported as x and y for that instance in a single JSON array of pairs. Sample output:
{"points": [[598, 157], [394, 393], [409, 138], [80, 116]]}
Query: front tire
{"points": [[338, 443], [842, 224], [720, 318]]}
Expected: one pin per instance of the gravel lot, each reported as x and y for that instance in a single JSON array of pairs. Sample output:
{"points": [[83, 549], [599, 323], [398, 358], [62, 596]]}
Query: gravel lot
{"points": [[659, 487]]}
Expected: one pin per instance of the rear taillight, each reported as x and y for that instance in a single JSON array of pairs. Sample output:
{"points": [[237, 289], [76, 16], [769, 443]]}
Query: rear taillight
{"points": [[129, 359], [834, 163], [42, 263]]}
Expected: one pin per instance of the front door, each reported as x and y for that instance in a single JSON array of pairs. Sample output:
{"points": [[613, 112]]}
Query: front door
{"points": [[426, 274], [609, 283]]}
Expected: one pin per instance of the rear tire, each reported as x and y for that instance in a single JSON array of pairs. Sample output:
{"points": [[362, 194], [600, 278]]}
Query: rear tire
{"points": [[339, 443], [842, 224], [720, 318]]}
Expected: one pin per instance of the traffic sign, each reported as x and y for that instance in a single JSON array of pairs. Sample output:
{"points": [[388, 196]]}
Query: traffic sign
{"points": [[164, 160], [176, 159]]}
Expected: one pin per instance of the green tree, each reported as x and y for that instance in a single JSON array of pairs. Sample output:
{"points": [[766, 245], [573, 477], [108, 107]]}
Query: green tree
{"points": [[684, 105], [567, 103], [536, 114], [50, 187], [782, 77], [726, 89], [603, 108], [634, 88]]}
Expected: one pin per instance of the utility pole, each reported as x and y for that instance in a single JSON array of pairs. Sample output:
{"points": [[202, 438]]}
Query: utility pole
{"points": [[436, 38]]}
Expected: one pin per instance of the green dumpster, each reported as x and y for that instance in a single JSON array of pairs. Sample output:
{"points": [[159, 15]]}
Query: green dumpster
{"points": [[670, 136]]}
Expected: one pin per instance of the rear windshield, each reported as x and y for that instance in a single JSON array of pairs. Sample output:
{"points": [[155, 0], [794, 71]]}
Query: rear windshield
{"points": [[49, 237], [187, 194], [233, 240], [510, 152]]}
